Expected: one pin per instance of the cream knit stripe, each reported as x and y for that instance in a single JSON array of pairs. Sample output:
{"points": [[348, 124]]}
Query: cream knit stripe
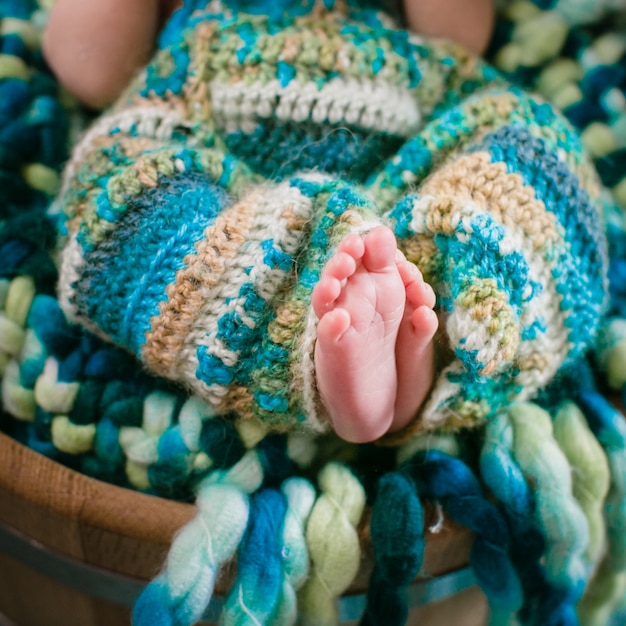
{"points": [[369, 104], [147, 121]]}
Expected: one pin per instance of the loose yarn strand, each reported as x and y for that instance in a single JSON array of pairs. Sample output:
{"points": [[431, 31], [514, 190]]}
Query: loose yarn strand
{"points": [[255, 593], [300, 495], [590, 474], [504, 478]]}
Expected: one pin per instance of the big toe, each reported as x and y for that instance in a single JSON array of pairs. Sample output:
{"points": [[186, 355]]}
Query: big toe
{"points": [[380, 249]]}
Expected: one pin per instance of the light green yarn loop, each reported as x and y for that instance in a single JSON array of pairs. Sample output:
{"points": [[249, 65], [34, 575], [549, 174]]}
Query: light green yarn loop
{"points": [[521, 10], [42, 178], [19, 298], [190, 419], [158, 409], [540, 38], [72, 438], [599, 139], [558, 74], [137, 474], [616, 365], [137, 447], [619, 191], [12, 336], [23, 29], [17, 400], [612, 352], [590, 472], [51, 394], [447, 443], [333, 545], [13, 67], [4, 361], [246, 475], [601, 597], [557, 512]]}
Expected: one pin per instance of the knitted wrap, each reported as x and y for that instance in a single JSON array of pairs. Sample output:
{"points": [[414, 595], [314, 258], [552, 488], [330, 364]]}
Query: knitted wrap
{"points": [[541, 484], [202, 208]]}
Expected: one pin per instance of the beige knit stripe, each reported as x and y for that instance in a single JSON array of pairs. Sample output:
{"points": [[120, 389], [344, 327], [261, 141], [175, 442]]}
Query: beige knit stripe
{"points": [[186, 297], [503, 195], [281, 214], [473, 177]]}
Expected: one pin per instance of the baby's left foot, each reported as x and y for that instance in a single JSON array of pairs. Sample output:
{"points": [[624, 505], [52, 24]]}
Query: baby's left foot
{"points": [[367, 293]]}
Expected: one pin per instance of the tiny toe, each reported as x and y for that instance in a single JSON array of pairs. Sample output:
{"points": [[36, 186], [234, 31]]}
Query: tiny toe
{"points": [[352, 245], [339, 266], [380, 249], [425, 322], [420, 293], [332, 326], [324, 295], [409, 272]]}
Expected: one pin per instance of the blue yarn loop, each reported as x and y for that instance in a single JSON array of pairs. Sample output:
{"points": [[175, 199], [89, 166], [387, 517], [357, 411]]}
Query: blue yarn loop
{"points": [[256, 591], [544, 602], [449, 481], [397, 530]]}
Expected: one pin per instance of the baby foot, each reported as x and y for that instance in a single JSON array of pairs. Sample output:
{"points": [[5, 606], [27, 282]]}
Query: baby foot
{"points": [[415, 353], [367, 294]]}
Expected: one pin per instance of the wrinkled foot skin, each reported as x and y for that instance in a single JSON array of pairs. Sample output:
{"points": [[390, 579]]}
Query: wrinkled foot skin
{"points": [[374, 349]]}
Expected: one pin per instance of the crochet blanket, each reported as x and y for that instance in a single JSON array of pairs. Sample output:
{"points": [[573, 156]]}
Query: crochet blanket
{"points": [[327, 122], [541, 484]]}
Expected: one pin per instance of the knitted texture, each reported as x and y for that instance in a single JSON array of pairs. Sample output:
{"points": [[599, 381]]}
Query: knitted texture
{"points": [[518, 260], [178, 251]]}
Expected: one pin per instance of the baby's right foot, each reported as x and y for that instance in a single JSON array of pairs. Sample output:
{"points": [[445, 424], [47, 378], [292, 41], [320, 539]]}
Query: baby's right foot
{"points": [[368, 297]]}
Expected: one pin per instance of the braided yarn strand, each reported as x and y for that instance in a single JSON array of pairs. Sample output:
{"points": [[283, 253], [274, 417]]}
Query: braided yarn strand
{"points": [[397, 529], [504, 478], [333, 544], [300, 496], [590, 474], [557, 513], [449, 481], [181, 594], [608, 586], [255, 593]]}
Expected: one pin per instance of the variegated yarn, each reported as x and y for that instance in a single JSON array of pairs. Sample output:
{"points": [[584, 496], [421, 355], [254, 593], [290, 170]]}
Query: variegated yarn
{"points": [[489, 191]]}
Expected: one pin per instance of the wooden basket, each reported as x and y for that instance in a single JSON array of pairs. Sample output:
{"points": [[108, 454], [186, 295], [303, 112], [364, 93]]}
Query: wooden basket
{"points": [[75, 551]]}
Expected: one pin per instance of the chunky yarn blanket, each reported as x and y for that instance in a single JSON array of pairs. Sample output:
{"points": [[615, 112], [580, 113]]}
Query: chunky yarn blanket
{"points": [[190, 225]]}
